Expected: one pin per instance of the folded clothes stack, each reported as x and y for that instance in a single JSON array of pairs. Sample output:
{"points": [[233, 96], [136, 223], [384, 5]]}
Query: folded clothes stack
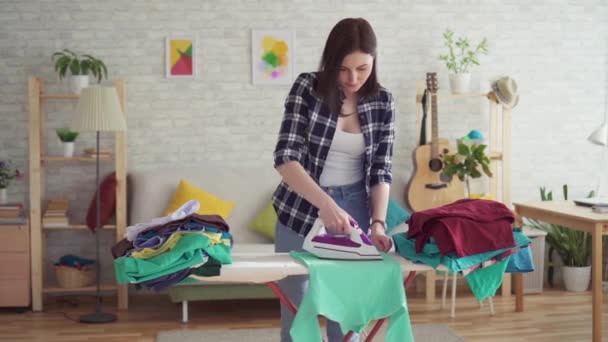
{"points": [[167, 250]]}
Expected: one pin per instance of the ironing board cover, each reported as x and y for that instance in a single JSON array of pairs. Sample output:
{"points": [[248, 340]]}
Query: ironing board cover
{"points": [[353, 293]]}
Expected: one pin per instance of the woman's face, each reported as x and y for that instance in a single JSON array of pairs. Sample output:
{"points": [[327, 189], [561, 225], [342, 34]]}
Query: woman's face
{"points": [[354, 71]]}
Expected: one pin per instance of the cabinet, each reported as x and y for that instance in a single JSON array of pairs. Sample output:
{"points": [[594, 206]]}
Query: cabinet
{"points": [[39, 162], [15, 271]]}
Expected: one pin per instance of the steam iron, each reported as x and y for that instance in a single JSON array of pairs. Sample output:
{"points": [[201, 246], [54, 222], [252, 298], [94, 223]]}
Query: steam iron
{"points": [[356, 246]]}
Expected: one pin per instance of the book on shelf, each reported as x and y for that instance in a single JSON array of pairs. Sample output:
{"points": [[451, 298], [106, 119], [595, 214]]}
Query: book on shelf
{"points": [[12, 221], [11, 210]]}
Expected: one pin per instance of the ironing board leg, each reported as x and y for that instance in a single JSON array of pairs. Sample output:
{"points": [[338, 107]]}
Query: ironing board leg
{"points": [[282, 297]]}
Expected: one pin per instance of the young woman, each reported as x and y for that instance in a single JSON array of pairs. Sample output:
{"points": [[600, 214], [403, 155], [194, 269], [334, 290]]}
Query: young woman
{"points": [[334, 152]]}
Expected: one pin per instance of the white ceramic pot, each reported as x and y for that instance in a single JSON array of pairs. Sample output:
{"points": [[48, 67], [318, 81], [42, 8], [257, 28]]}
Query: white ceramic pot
{"points": [[78, 82], [3, 196], [460, 83], [68, 149], [576, 279]]}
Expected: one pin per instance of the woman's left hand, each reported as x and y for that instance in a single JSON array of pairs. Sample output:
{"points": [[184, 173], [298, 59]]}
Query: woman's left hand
{"points": [[379, 238]]}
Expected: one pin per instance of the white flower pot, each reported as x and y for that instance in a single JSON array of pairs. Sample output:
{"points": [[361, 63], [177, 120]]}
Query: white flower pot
{"points": [[77, 83], [3, 196], [68, 149], [576, 279], [460, 83]]}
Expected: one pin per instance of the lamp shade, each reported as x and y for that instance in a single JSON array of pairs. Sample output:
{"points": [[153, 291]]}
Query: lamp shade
{"points": [[99, 110], [600, 135]]}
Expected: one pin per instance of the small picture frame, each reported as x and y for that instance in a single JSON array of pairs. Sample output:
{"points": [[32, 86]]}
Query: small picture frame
{"points": [[272, 56], [180, 57]]}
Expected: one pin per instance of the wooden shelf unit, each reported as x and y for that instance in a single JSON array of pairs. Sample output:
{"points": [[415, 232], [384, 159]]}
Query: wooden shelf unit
{"points": [[37, 171], [499, 135]]}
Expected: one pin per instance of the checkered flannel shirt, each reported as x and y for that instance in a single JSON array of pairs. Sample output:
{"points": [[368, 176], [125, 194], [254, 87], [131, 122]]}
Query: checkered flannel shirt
{"points": [[305, 136]]}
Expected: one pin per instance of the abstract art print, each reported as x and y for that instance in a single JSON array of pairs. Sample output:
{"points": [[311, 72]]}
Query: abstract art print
{"points": [[180, 57], [272, 56]]}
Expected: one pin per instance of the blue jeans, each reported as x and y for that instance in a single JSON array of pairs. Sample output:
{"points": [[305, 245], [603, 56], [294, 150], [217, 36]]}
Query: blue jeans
{"points": [[353, 199]]}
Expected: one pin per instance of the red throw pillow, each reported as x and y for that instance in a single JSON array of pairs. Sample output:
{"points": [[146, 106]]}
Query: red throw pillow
{"points": [[107, 198]]}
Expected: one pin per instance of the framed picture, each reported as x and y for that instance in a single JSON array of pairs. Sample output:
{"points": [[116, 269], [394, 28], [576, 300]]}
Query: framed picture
{"points": [[180, 57], [272, 56]]}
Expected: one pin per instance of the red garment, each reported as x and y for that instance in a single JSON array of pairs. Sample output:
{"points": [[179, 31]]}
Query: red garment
{"points": [[465, 227]]}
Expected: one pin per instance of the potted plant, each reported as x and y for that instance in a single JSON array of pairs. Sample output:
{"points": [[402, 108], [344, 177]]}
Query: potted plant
{"points": [[572, 246], [460, 57], [67, 137], [80, 67], [466, 163], [7, 174]]}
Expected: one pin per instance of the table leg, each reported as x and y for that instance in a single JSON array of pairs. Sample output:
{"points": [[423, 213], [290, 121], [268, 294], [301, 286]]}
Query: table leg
{"points": [[519, 291], [430, 286], [596, 282]]}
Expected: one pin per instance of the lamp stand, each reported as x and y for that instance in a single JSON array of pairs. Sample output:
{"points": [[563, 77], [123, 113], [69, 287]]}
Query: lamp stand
{"points": [[98, 316]]}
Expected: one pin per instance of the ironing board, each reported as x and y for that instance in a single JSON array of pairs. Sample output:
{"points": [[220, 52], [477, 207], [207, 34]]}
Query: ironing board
{"points": [[267, 268]]}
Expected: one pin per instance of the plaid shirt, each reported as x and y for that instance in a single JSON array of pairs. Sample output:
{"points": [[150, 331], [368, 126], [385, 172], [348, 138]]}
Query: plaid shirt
{"points": [[306, 134]]}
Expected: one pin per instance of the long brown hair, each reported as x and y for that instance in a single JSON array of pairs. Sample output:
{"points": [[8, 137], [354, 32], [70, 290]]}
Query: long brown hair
{"points": [[349, 35]]}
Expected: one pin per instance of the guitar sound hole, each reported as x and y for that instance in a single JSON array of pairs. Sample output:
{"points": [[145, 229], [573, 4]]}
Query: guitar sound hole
{"points": [[435, 165]]}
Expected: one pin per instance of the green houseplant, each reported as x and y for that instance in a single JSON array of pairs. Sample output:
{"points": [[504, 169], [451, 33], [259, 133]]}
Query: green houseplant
{"points": [[572, 246], [469, 162], [461, 55], [7, 174], [67, 137], [79, 66]]}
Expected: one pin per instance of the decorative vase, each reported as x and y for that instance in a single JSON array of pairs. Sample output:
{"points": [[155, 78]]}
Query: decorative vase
{"points": [[576, 279], [68, 149], [77, 82], [460, 83], [3, 196]]}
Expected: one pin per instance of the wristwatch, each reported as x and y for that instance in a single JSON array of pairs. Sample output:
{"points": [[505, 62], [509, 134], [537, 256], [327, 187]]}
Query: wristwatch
{"points": [[383, 223]]}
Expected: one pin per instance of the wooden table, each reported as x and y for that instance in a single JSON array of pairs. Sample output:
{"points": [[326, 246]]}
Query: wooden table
{"points": [[567, 214]]}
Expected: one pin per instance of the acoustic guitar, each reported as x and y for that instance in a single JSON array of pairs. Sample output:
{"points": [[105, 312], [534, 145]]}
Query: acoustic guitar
{"points": [[427, 188]]}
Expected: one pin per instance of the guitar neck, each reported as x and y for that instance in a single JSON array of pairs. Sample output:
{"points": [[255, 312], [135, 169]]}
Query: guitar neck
{"points": [[434, 127]]}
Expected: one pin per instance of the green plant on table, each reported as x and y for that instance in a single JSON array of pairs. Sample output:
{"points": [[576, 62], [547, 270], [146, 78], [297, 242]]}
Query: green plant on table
{"points": [[8, 173]]}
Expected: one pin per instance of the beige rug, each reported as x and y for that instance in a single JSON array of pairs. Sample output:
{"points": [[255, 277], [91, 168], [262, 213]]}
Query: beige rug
{"points": [[422, 333]]}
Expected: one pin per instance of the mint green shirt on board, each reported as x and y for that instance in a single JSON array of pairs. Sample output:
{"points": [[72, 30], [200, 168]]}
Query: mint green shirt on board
{"points": [[353, 293]]}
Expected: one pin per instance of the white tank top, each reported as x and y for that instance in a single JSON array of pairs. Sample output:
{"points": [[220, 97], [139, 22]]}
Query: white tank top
{"points": [[345, 160]]}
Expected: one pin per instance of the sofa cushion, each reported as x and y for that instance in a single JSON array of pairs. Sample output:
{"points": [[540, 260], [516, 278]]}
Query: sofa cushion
{"points": [[209, 204], [107, 202], [265, 222], [248, 187]]}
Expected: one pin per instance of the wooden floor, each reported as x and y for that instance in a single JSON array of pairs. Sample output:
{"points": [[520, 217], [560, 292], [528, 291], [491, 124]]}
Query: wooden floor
{"points": [[553, 316]]}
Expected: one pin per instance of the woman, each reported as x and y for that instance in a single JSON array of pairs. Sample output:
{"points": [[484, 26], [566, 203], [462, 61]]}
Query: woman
{"points": [[334, 152]]}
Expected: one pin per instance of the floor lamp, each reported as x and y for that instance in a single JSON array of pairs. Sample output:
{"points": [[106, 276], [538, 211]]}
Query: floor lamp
{"points": [[98, 111]]}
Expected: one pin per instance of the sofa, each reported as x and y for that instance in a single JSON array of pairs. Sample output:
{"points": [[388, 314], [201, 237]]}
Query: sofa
{"points": [[250, 188]]}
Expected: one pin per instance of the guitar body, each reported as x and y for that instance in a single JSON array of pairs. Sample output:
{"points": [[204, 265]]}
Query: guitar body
{"points": [[426, 189]]}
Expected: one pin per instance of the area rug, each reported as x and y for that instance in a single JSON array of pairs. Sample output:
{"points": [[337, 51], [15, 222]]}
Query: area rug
{"points": [[422, 333]]}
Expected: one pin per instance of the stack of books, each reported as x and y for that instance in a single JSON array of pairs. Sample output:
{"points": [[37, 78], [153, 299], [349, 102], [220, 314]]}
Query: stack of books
{"points": [[11, 213], [103, 153], [56, 214]]}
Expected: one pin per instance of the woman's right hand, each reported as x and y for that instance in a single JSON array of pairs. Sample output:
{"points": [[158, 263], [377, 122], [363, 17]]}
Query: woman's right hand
{"points": [[334, 218]]}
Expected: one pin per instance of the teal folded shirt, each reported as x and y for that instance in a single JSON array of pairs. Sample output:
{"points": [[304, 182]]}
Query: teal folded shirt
{"points": [[352, 293], [483, 281]]}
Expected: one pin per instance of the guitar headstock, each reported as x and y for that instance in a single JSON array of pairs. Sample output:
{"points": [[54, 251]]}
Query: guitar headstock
{"points": [[431, 82]]}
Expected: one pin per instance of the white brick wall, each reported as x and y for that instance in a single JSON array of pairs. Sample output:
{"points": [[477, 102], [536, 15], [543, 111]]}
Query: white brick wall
{"points": [[556, 50]]}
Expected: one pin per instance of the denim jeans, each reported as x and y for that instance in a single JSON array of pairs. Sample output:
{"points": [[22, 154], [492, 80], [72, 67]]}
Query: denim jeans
{"points": [[353, 199]]}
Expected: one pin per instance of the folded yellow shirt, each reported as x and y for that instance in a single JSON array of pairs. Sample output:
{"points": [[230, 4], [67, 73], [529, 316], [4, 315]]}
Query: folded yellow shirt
{"points": [[146, 253]]}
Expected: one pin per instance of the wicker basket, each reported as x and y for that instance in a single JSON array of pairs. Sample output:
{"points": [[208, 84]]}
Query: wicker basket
{"points": [[71, 277]]}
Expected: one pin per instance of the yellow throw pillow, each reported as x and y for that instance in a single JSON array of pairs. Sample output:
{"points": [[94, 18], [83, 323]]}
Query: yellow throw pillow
{"points": [[265, 222], [210, 204]]}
